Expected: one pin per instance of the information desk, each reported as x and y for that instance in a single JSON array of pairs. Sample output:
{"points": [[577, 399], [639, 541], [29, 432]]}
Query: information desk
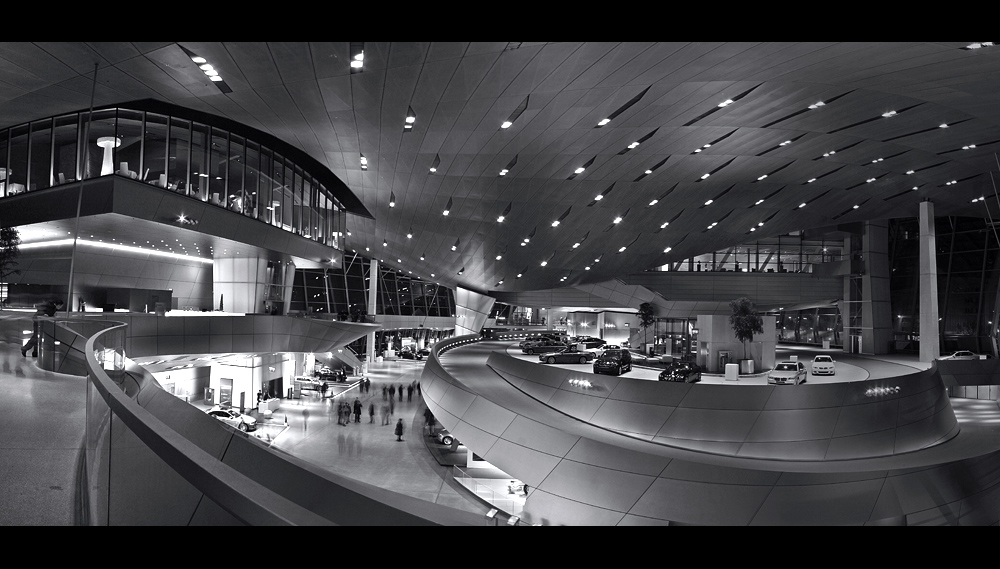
{"points": [[268, 405]]}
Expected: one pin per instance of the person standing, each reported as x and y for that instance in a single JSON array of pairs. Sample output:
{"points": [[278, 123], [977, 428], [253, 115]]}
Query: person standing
{"points": [[47, 308], [409, 393], [399, 430], [385, 413], [392, 406], [357, 410], [418, 390], [400, 392], [392, 392], [371, 412], [384, 392]]}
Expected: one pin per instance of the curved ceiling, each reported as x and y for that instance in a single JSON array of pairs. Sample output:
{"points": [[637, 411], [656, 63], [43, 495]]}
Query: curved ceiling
{"points": [[772, 142]]}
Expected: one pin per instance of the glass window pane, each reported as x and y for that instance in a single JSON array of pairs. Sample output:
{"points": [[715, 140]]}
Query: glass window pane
{"points": [[278, 190], [4, 172], [180, 145], [18, 167], [235, 194], [155, 150], [128, 155], [265, 209], [217, 167], [41, 155], [252, 181], [200, 155], [287, 203]]}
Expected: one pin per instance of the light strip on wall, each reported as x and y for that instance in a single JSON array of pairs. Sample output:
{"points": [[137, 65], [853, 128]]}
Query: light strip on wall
{"points": [[113, 246]]}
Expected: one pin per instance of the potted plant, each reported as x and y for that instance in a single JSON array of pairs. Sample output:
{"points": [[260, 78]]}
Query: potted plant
{"points": [[746, 322], [647, 318]]}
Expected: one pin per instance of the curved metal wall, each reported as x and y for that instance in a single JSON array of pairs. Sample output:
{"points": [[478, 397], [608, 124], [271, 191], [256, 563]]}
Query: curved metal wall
{"points": [[583, 474], [830, 421]]}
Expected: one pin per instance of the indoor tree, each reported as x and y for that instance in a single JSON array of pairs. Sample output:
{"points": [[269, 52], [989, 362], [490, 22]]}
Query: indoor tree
{"points": [[746, 321], [10, 238], [646, 317]]}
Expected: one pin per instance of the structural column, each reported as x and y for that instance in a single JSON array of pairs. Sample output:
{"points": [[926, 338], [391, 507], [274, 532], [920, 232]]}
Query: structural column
{"points": [[287, 286], [373, 278], [930, 344], [876, 310]]}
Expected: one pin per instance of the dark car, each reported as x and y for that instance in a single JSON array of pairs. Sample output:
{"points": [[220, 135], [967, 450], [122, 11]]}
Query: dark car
{"points": [[589, 341], [408, 354], [613, 361], [424, 352], [541, 346], [339, 375], [568, 355], [687, 372]]}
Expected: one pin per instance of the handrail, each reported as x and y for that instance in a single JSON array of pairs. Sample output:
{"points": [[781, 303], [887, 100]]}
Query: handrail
{"points": [[247, 500]]}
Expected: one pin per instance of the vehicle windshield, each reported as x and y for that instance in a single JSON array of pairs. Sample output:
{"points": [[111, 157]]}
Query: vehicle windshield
{"points": [[611, 354], [785, 367], [824, 359]]}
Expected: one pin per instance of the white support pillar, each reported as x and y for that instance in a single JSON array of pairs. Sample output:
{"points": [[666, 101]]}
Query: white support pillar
{"points": [[373, 275], [930, 344], [287, 286]]}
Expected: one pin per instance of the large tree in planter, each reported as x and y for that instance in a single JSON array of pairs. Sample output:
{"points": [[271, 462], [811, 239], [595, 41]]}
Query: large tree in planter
{"points": [[647, 317], [746, 321], [10, 238]]}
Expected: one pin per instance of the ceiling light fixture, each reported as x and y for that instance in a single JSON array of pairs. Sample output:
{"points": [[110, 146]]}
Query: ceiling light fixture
{"points": [[889, 114], [617, 220], [667, 250], [969, 147], [409, 234], [545, 263], [705, 176], [555, 223], [357, 56], [801, 205], [447, 208], [603, 122], [421, 257], [633, 145], [599, 197], [817, 105], [856, 206], [411, 117], [785, 143], [364, 162], [654, 202], [579, 170], [647, 172], [810, 180], [622, 249], [709, 202], [664, 225], [759, 178], [943, 125], [506, 124], [392, 199], [726, 103]]}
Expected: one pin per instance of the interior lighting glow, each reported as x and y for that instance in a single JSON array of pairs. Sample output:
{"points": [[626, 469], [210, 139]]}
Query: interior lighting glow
{"points": [[633, 145], [705, 176], [760, 201], [216, 78], [622, 249], [599, 197], [709, 202], [761, 177], [357, 64], [206, 67], [785, 143], [877, 160], [504, 172], [555, 223], [445, 212], [505, 124], [500, 219], [586, 268], [856, 207], [810, 180], [968, 147], [499, 257], [870, 180], [908, 172], [112, 246], [603, 122], [667, 250], [803, 204], [664, 225], [830, 153], [545, 263], [943, 125], [518, 275], [433, 170], [889, 114], [617, 220], [579, 170], [198, 59], [211, 73], [760, 224], [647, 172], [817, 105], [654, 202], [726, 103], [575, 245], [950, 183], [697, 150]]}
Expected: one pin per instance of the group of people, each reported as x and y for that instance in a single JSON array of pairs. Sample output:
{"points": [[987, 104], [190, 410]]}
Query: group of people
{"points": [[356, 408], [389, 393]]}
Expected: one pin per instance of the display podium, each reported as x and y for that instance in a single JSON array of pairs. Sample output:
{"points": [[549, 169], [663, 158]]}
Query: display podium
{"points": [[732, 372]]}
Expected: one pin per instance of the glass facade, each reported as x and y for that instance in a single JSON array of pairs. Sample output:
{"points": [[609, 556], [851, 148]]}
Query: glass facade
{"points": [[188, 157], [343, 291], [809, 326], [792, 253], [968, 275]]}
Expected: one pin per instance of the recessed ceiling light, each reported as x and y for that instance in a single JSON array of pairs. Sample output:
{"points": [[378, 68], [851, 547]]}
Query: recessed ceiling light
{"points": [[654, 202], [555, 223], [575, 245], [599, 197], [855, 207], [506, 124], [622, 249], [817, 105], [545, 263], [633, 145], [664, 225], [877, 160], [709, 202], [726, 103], [586, 268], [785, 143], [810, 180], [889, 114], [617, 220], [761, 177], [803, 204], [870, 180], [705, 176], [499, 257], [579, 170], [968, 147], [943, 125], [760, 201], [603, 122], [647, 172], [518, 275], [433, 170], [908, 172], [667, 250], [500, 219], [198, 59]]}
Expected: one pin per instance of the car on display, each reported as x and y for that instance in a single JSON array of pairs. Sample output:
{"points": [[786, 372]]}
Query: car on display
{"points": [[233, 418], [824, 365], [326, 374], [540, 346], [446, 438], [588, 341], [307, 383], [788, 372], [614, 361], [643, 359], [962, 355], [686, 372], [567, 355], [409, 354], [424, 352]]}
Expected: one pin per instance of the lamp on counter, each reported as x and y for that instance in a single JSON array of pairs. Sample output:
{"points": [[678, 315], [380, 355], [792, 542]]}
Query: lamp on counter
{"points": [[107, 143]]}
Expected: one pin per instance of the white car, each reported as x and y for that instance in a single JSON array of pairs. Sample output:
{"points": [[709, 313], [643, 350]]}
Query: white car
{"points": [[788, 372], [233, 418], [823, 365], [962, 355]]}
